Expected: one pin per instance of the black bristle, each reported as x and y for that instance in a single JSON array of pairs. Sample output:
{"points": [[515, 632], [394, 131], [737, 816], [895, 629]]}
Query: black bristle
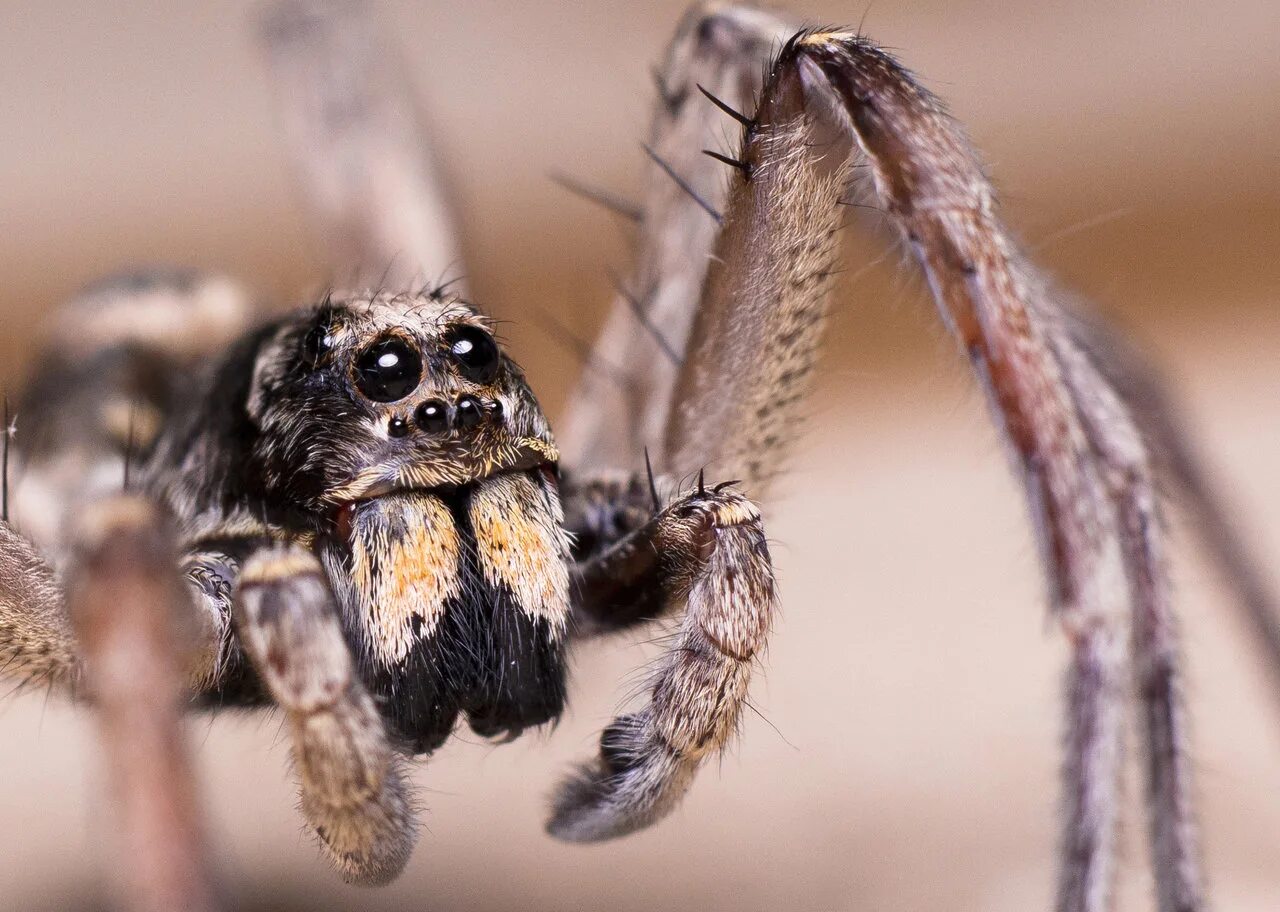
{"points": [[682, 183], [732, 112], [731, 162], [653, 485], [611, 201]]}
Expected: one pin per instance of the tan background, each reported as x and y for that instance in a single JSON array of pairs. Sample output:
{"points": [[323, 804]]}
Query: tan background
{"points": [[904, 755]]}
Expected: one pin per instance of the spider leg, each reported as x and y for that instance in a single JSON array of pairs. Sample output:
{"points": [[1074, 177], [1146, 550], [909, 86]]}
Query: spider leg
{"points": [[131, 616], [365, 163], [36, 641], [353, 787], [705, 552], [1085, 465], [723, 50], [1182, 470]]}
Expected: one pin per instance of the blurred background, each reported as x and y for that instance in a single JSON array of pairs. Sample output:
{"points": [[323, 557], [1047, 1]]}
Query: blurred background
{"points": [[904, 754]]}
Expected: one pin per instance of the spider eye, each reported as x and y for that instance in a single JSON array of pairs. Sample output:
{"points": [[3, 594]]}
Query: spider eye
{"points": [[388, 370], [317, 344], [475, 353]]}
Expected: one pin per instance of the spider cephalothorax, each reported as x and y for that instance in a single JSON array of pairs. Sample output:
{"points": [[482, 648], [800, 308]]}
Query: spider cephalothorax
{"points": [[391, 435]]}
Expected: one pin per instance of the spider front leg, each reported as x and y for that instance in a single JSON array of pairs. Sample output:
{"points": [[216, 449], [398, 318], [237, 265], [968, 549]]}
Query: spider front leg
{"points": [[138, 637], [352, 781], [1085, 464], [830, 98], [705, 553]]}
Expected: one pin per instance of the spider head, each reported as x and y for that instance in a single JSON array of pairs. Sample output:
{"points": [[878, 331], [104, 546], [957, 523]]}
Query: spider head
{"points": [[375, 394], [405, 438]]}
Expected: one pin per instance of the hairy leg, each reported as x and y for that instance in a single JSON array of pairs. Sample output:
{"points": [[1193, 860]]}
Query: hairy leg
{"points": [[622, 400], [1085, 466], [1129, 478], [352, 780], [706, 554], [366, 164], [36, 641], [828, 97], [132, 617], [1183, 472]]}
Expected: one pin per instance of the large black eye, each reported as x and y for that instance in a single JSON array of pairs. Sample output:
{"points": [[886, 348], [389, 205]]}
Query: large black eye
{"points": [[388, 370], [475, 353]]}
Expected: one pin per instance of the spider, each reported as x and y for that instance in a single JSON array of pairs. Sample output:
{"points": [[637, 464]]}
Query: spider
{"points": [[358, 513]]}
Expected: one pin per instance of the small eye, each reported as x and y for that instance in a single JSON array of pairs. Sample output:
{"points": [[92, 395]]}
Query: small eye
{"points": [[475, 352], [433, 416], [469, 412], [317, 344], [388, 370]]}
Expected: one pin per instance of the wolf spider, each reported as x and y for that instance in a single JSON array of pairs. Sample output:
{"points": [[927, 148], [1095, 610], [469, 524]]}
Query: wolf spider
{"points": [[357, 512]]}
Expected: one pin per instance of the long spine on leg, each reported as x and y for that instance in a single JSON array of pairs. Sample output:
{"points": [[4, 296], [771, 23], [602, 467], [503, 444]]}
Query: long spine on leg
{"points": [[352, 781]]}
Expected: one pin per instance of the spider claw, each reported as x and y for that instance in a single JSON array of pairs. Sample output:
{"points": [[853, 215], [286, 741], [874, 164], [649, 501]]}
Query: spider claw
{"points": [[725, 484], [702, 481]]}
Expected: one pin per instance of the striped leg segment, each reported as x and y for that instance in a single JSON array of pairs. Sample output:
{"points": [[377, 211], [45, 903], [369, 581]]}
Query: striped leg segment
{"points": [[352, 780]]}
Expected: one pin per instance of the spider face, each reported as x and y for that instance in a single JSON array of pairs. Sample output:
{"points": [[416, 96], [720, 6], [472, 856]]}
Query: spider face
{"points": [[436, 499], [393, 438], [406, 393]]}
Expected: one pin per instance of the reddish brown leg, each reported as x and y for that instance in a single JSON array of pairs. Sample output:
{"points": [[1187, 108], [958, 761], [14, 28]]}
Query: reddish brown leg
{"points": [[137, 630]]}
